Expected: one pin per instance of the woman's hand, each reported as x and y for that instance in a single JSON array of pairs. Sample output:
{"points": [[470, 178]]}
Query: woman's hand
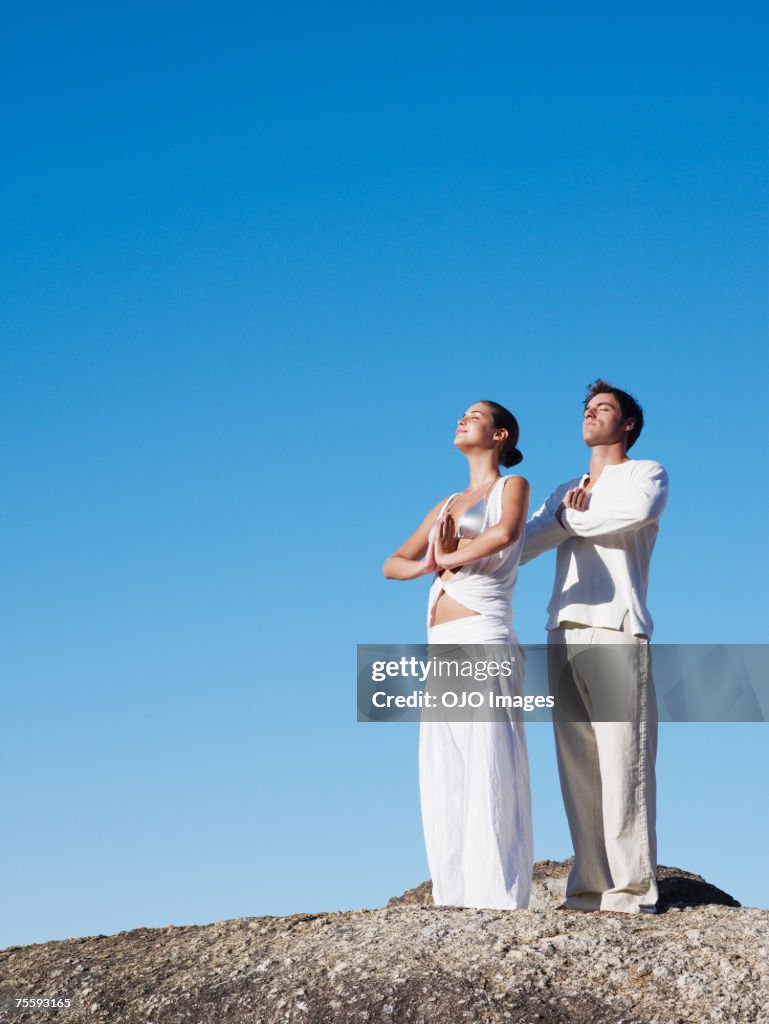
{"points": [[429, 565], [447, 531], [446, 543], [416, 557]]}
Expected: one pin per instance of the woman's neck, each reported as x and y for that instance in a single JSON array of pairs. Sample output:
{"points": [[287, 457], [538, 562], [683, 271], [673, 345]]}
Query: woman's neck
{"points": [[484, 470]]}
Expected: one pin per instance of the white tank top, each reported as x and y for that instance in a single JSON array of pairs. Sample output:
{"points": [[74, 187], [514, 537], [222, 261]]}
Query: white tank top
{"points": [[485, 586]]}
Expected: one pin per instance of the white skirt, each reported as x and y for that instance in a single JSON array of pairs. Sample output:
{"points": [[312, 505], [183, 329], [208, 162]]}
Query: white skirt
{"points": [[475, 792]]}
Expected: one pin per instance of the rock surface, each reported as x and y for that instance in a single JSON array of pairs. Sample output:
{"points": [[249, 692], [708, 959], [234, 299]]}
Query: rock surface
{"points": [[702, 959]]}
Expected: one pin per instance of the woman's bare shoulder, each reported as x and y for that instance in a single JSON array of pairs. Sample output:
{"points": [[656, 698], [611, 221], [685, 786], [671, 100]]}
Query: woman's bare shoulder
{"points": [[519, 483]]}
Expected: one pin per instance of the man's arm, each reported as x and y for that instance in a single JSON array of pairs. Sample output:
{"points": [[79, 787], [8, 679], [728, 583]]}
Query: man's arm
{"points": [[643, 504], [543, 531]]}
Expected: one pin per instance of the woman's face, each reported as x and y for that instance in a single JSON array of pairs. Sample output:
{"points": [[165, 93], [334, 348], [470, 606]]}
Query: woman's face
{"points": [[476, 429]]}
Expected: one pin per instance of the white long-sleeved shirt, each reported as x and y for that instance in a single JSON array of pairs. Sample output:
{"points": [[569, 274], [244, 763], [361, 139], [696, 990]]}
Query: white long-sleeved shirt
{"points": [[602, 564]]}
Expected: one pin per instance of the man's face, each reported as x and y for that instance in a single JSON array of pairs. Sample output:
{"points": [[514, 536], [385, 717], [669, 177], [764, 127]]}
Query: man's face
{"points": [[602, 422]]}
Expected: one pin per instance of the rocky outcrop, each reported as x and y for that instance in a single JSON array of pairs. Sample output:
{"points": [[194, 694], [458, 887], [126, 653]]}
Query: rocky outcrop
{"points": [[678, 889], [703, 958]]}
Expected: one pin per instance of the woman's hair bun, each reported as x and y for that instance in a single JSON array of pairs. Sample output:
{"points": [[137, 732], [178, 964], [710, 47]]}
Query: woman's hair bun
{"points": [[502, 417], [511, 457]]}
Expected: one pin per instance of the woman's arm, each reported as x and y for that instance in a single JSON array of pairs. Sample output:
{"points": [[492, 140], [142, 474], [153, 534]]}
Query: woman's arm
{"points": [[515, 506], [409, 561]]}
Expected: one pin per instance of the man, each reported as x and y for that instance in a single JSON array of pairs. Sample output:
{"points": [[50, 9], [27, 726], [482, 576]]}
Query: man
{"points": [[604, 526]]}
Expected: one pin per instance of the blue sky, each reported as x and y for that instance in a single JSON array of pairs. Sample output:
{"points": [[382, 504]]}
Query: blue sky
{"points": [[256, 263]]}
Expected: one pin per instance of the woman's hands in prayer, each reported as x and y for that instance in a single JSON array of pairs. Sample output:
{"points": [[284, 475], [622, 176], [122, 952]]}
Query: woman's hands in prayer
{"points": [[445, 543], [429, 565]]}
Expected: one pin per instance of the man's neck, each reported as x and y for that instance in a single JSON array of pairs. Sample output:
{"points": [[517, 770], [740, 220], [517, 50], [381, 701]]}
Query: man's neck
{"points": [[605, 455]]}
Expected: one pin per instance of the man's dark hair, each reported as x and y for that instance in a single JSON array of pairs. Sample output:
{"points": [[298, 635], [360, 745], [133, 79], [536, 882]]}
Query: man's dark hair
{"points": [[629, 407]]}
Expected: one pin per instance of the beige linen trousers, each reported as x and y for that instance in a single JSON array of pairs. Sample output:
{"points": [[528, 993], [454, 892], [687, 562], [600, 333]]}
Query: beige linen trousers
{"points": [[605, 722]]}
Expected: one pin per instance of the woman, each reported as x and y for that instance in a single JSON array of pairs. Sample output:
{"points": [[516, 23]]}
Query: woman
{"points": [[474, 775]]}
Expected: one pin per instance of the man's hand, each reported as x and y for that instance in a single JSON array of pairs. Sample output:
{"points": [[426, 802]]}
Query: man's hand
{"points": [[577, 498]]}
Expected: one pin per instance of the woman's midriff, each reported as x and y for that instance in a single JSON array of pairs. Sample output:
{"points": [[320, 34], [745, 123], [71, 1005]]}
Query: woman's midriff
{"points": [[446, 609]]}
